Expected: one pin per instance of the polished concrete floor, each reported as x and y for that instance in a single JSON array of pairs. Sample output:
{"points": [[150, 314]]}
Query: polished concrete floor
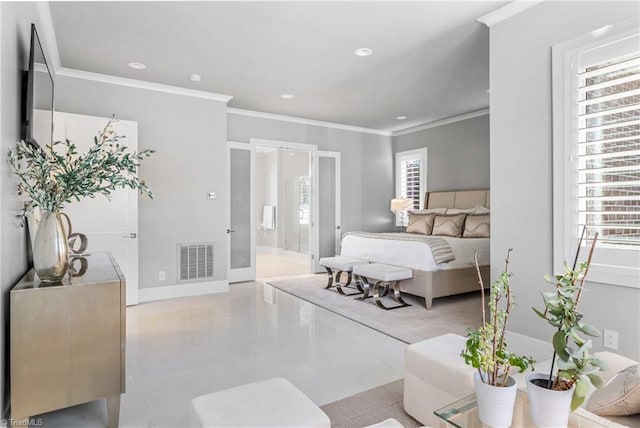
{"points": [[271, 264], [181, 348]]}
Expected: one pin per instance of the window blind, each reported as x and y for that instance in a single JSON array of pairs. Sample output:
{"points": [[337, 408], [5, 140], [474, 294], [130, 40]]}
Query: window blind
{"points": [[608, 150], [410, 181]]}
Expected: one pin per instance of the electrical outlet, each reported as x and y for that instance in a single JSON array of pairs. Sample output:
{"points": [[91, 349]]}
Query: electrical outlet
{"points": [[610, 339], [162, 275]]}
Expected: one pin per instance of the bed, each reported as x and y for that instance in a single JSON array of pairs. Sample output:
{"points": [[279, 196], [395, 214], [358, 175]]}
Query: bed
{"points": [[432, 277]]}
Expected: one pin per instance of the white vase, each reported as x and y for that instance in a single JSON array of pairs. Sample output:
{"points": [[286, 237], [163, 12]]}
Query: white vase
{"points": [[548, 408], [495, 403]]}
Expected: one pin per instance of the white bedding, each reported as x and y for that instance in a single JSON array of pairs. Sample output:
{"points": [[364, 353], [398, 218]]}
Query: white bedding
{"points": [[415, 254]]}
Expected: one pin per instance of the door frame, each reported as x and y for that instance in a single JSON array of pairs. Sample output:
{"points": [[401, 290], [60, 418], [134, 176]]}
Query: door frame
{"points": [[313, 172], [248, 273], [338, 207]]}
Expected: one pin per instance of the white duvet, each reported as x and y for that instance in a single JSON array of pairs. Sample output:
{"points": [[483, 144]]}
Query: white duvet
{"points": [[415, 254]]}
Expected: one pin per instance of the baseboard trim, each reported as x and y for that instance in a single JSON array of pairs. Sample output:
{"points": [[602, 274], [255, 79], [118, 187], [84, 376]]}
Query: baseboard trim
{"points": [[182, 290]]}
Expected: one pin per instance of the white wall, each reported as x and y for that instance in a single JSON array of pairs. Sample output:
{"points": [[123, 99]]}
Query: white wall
{"points": [[521, 163], [190, 138]]}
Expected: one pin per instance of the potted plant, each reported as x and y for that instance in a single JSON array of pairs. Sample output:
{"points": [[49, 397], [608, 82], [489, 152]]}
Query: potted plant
{"points": [[486, 350], [551, 397], [57, 174]]}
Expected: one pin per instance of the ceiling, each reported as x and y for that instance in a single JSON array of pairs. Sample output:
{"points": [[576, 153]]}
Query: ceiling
{"points": [[430, 59]]}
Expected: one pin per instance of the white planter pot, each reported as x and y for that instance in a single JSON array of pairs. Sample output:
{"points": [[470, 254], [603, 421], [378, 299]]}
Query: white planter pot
{"points": [[495, 403], [548, 408]]}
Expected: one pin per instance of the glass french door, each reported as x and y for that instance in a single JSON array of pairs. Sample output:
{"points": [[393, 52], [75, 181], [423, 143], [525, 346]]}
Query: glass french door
{"points": [[241, 229], [328, 203]]}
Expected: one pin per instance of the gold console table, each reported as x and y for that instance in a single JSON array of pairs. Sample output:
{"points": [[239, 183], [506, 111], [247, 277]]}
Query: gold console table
{"points": [[67, 343]]}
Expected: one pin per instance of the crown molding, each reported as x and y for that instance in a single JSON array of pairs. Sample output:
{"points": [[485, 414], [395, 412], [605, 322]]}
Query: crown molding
{"points": [[47, 35], [507, 11], [304, 121], [122, 81], [441, 122]]}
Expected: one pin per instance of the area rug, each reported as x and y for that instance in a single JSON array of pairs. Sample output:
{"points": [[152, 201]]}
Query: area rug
{"points": [[411, 324], [370, 407]]}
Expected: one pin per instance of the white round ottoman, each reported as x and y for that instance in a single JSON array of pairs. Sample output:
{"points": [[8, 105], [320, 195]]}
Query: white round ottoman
{"points": [[269, 403]]}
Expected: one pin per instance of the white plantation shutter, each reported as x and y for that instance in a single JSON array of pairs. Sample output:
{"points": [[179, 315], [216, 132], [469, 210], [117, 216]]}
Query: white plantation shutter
{"points": [[596, 121], [410, 181], [608, 166], [411, 175]]}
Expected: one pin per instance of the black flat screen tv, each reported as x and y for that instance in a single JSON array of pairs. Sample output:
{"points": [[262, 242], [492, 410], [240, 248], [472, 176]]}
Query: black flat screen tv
{"points": [[37, 90]]}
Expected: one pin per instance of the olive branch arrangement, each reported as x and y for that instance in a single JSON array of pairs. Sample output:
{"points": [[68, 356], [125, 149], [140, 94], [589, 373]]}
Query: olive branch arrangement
{"points": [[57, 174]]}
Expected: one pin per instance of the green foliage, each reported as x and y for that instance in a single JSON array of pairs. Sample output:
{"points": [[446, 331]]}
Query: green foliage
{"points": [[57, 174], [575, 365], [486, 348]]}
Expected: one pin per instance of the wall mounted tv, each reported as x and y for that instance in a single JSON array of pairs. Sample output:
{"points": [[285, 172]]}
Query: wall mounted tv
{"points": [[37, 90]]}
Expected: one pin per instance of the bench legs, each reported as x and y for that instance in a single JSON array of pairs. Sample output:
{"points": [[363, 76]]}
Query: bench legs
{"points": [[366, 286], [396, 295], [338, 285]]}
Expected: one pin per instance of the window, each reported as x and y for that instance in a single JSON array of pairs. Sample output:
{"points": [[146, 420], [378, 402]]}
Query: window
{"points": [[411, 180], [304, 196], [597, 151]]}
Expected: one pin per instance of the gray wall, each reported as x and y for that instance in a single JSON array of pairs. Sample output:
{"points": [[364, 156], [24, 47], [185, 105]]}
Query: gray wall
{"points": [[16, 19], [366, 169], [458, 153], [521, 166], [189, 136]]}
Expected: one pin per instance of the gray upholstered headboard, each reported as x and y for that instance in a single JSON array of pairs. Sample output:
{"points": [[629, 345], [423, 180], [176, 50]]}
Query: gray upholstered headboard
{"points": [[457, 199]]}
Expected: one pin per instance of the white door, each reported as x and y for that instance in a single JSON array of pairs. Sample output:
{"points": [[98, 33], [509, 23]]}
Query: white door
{"points": [[110, 225], [328, 212], [241, 231]]}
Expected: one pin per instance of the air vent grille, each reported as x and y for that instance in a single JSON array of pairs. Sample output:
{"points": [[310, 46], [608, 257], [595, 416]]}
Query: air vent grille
{"points": [[195, 261]]}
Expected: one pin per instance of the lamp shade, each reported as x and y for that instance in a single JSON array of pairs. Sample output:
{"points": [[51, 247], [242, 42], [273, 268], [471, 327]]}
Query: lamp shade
{"points": [[400, 204]]}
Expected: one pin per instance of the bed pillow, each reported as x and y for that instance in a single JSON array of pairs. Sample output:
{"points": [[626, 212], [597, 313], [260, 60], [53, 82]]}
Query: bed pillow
{"points": [[479, 209], [421, 223], [429, 211], [477, 226], [448, 225], [620, 396], [452, 211]]}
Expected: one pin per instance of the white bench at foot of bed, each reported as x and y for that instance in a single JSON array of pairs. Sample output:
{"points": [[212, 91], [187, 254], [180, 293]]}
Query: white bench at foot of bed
{"points": [[385, 276]]}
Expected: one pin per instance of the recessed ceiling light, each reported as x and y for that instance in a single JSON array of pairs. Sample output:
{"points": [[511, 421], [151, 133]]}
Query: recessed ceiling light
{"points": [[137, 65], [195, 77], [401, 117], [363, 52], [287, 96]]}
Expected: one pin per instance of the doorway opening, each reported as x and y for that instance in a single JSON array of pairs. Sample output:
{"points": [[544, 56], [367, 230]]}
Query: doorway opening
{"points": [[283, 201]]}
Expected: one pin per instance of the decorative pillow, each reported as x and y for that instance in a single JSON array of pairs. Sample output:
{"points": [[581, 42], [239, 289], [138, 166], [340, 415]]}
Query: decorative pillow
{"points": [[448, 225], [452, 211], [421, 223], [429, 211], [479, 209], [477, 226], [620, 396]]}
